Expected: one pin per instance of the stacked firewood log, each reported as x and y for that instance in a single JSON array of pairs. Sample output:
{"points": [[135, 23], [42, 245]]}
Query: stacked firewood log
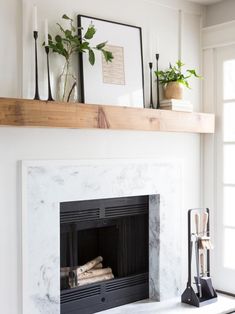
{"points": [[93, 271], [88, 273]]}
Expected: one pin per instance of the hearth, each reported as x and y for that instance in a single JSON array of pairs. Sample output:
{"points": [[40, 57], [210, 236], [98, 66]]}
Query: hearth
{"points": [[114, 234]]}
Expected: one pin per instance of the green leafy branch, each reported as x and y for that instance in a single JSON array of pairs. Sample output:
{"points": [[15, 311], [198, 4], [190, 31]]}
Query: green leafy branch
{"points": [[69, 42], [175, 74]]}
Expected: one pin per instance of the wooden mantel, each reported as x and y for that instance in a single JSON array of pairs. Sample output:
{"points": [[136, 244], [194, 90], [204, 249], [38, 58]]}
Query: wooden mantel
{"points": [[32, 113]]}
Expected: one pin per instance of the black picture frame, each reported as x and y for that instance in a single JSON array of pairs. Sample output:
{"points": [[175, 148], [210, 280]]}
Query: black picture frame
{"points": [[138, 69]]}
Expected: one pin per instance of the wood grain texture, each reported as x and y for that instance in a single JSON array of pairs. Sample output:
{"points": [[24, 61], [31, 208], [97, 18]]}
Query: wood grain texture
{"points": [[21, 112]]}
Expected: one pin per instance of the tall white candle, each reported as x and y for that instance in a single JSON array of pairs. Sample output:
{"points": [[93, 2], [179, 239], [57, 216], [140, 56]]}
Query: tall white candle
{"points": [[46, 32], [150, 48], [157, 45], [35, 18]]}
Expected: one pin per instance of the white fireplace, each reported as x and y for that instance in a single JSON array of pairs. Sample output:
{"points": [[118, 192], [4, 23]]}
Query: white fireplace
{"points": [[45, 184]]}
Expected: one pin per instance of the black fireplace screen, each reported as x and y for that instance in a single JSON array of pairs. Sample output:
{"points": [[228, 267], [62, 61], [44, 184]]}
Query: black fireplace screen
{"points": [[104, 257]]}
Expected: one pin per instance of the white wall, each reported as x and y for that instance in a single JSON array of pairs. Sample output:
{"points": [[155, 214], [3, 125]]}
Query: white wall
{"points": [[220, 13], [11, 44], [157, 18], [160, 27]]}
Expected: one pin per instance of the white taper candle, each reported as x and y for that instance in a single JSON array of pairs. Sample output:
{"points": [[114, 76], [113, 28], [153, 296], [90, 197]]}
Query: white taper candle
{"points": [[35, 18], [157, 44], [150, 48], [46, 32]]}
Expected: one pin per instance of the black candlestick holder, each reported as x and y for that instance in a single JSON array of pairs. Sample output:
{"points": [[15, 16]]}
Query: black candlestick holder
{"points": [[35, 36], [158, 93], [50, 98], [151, 84]]}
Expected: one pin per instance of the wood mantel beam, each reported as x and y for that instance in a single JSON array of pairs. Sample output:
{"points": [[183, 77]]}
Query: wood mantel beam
{"points": [[33, 113]]}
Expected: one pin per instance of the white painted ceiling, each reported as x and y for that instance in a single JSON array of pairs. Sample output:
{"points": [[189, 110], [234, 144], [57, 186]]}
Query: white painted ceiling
{"points": [[205, 2]]}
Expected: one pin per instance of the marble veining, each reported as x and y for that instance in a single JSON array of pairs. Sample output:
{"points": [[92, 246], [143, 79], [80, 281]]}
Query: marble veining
{"points": [[47, 183]]}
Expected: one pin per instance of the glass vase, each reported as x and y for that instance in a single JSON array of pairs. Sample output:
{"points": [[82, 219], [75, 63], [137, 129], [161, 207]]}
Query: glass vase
{"points": [[67, 84]]}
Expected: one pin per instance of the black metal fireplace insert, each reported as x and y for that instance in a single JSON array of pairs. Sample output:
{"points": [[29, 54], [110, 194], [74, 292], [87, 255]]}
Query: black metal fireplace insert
{"points": [[116, 229]]}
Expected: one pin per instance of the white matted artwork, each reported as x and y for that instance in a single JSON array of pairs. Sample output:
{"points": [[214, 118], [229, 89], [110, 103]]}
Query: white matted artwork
{"points": [[119, 82]]}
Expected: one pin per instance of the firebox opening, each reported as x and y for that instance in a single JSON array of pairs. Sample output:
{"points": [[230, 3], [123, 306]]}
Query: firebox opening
{"points": [[123, 246], [115, 231]]}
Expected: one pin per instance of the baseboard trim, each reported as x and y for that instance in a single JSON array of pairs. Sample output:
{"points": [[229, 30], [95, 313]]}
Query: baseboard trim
{"points": [[226, 293]]}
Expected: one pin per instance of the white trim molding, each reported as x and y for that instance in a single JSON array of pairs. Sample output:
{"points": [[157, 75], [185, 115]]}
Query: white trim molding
{"points": [[218, 35]]}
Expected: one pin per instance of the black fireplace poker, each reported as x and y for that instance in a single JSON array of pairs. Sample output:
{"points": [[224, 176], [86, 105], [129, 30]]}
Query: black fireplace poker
{"points": [[35, 36]]}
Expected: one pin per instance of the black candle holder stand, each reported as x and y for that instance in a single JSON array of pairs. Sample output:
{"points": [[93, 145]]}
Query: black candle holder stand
{"points": [[151, 85], [35, 36], [50, 98], [158, 93]]}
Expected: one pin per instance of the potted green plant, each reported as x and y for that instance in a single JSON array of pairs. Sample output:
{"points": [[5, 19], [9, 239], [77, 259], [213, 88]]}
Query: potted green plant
{"points": [[67, 43], [174, 80]]}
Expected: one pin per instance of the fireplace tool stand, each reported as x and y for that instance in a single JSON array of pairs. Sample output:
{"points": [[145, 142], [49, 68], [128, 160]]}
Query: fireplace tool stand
{"points": [[205, 293]]}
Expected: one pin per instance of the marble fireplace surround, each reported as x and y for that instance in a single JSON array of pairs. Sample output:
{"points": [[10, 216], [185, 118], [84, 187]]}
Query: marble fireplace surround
{"points": [[45, 184]]}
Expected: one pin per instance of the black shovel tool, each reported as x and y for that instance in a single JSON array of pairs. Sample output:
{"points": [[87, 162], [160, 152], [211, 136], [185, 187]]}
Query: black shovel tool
{"points": [[206, 283]]}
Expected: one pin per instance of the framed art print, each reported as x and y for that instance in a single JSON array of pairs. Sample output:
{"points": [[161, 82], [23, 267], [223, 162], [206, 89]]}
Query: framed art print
{"points": [[119, 82]]}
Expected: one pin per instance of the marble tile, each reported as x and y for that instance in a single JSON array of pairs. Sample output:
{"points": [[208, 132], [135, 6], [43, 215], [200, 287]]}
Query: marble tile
{"points": [[47, 183], [154, 247], [225, 304]]}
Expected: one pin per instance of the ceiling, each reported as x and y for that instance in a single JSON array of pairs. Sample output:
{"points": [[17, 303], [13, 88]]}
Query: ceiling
{"points": [[206, 2]]}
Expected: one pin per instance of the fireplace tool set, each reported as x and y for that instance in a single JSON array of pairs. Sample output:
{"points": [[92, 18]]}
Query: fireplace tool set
{"points": [[200, 238]]}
